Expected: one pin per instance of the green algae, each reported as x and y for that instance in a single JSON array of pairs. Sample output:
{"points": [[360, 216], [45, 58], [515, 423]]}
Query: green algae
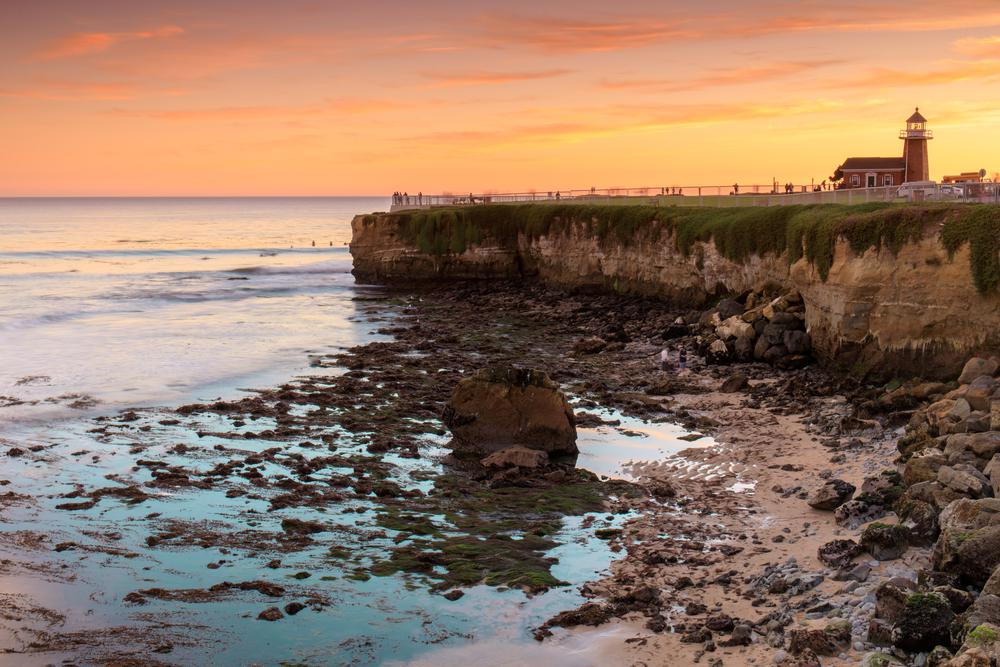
{"points": [[496, 536], [982, 634], [467, 560]]}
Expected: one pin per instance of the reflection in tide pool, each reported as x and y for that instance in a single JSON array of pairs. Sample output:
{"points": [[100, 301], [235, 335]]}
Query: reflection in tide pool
{"points": [[608, 450]]}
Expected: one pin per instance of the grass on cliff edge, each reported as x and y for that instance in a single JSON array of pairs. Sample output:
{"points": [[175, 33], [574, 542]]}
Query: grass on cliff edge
{"points": [[809, 231]]}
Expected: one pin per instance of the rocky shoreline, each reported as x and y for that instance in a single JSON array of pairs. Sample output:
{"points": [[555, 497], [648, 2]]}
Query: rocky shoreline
{"points": [[803, 571], [805, 533]]}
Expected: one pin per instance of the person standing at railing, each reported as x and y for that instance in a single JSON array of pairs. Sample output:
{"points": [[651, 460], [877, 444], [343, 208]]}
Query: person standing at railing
{"points": [[558, 196], [420, 198]]}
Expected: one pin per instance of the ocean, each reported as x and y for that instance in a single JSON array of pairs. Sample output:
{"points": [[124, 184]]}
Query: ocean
{"points": [[107, 302]]}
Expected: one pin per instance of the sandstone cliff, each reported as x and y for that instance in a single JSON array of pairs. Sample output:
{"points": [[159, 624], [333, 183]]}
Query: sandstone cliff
{"points": [[905, 290]]}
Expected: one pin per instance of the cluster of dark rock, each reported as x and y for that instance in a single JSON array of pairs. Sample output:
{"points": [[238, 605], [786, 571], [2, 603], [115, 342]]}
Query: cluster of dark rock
{"points": [[946, 501], [756, 327]]}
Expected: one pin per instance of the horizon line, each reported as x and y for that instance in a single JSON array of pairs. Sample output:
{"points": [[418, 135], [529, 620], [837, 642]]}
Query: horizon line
{"points": [[189, 196]]}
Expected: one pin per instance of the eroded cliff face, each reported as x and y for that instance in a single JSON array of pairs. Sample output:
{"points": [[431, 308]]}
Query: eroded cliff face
{"points": [[912, 312], [383, 253], [915, 312]]}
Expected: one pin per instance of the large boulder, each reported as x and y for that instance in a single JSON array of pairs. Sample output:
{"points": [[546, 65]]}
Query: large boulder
{"points": [[979, 393], [797, 342], [977, 367], [992, 472], [921, 518], [924, 622], [734, 327], [854, 513], [966, 480], [936, 494], [838, 553], [969, 544], [984, 445], [729, 308], [984, 611], [923, 466], [885, 541], [830, 640], [505, 406]]}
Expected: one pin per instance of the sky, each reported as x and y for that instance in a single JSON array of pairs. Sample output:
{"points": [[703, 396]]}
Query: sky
{"points": [[253, 97]]}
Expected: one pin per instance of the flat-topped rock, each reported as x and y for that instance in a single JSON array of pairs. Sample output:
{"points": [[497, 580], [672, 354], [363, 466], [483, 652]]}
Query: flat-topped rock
{"points": [[504, 406]]}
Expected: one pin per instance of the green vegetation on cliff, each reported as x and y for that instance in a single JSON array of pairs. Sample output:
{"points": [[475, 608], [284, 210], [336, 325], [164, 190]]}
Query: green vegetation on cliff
{"points": [[809, 231]]}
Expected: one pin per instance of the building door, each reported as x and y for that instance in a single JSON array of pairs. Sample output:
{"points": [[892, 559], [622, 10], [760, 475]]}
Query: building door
{"points": [[871, 180]]}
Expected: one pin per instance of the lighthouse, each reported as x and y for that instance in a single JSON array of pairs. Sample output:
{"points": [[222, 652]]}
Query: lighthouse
{"points": [[915, 138]]}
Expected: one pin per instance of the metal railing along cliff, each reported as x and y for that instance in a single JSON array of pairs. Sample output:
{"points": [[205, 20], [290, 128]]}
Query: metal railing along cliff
{"points": [[714, 195]]}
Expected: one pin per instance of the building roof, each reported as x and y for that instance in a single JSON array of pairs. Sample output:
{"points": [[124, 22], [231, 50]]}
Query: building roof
{"points": [[916, 117], [873, 164]]}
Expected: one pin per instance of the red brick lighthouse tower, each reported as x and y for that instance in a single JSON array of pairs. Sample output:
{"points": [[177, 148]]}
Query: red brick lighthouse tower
{"points": [[915, 138]]}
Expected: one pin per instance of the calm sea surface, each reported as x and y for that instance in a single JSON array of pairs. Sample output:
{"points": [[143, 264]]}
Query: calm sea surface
{"points": [[107, 302]]}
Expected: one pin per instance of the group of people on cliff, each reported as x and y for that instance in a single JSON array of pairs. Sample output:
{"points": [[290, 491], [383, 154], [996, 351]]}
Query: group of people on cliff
{"points": [[404, 199]]}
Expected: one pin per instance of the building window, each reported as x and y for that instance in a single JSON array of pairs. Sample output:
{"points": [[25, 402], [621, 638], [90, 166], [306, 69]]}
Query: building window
{"points": [[855, 180], [887, 179]]}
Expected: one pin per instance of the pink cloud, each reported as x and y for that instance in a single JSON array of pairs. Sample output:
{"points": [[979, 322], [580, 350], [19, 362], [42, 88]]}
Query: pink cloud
{"points": [[87, 43], [559, 35]]}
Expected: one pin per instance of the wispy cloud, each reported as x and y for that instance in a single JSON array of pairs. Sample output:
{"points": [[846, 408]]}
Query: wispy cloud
{"points": [[466, 79], [289, 112], [75, 91], [719, 78], [981, 47], [88, 43], [559, 35], [617, 121], [890, 17], [947, 73]]}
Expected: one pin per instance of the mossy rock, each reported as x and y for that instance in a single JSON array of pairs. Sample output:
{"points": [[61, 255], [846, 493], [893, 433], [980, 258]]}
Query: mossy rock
{"points": [[924, 623], [982, 634]]}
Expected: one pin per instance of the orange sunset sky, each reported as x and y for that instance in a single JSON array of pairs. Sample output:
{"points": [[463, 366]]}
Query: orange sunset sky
{"points": [[279, 98]]}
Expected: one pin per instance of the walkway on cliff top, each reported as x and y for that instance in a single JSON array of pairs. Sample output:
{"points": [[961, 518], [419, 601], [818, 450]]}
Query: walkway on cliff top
{"points": [[713, 195]]}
